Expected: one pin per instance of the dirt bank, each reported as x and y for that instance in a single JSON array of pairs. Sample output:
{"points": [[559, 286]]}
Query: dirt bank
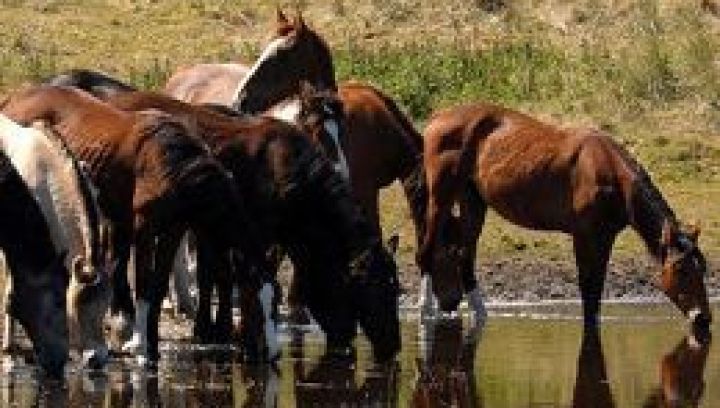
{"points": [[530, 280]]}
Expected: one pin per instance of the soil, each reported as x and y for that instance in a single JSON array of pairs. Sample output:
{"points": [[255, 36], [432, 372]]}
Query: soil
{"points": [[521, 279]]}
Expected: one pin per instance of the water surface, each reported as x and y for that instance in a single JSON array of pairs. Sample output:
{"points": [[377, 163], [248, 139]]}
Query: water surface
{"points": [[523, 357]]}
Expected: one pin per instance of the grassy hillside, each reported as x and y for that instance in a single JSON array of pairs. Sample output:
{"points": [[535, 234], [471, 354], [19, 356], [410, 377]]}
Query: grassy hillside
{"points": [[647, 71]]}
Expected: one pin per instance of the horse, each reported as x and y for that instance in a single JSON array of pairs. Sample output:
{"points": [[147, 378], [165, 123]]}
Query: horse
{"points": [[65, 196], [305, 206], [539, 176], [37, 271], [155, 179]]}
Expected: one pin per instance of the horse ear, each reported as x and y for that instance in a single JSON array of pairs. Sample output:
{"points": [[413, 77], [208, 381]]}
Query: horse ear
{"points": [[281, 18], [667, 234], [299, 22], [393, 243], [693, 231]]}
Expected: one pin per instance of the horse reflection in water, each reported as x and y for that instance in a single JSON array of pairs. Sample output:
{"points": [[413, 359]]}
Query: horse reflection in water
{"points": [[447, 365], [681, 375]]}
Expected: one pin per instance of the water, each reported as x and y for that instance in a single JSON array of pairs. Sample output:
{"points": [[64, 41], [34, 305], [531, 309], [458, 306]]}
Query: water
{"points": [[523, 357]]}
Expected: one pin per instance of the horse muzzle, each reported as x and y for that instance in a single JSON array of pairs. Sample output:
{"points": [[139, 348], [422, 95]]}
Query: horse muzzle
{"points": [[700, 323]]}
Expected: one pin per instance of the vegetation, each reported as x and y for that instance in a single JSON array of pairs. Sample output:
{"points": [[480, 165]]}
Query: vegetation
{"points": [[647, 71]]}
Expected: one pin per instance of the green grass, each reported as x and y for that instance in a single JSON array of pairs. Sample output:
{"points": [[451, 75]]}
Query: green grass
{"points": [[646, 71]]}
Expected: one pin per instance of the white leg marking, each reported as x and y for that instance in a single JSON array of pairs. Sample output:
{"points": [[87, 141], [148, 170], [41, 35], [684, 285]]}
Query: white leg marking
{"points": [[138, 343], [332, 128], [95, 358], [427, 301], [693, 314], [271, 341], [477, 304], [271, 389]]}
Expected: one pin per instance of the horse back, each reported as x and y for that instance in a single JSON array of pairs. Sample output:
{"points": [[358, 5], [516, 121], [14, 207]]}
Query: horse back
{"points": [[378, 137], [534, 174], [206, 83]]}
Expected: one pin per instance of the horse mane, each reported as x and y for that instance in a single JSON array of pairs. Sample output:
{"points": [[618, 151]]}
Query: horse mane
{"points": [[647, 208], [413, 180]]}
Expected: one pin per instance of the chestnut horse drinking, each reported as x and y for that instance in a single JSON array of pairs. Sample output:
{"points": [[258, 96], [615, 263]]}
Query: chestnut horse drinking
{"points": [[154, 179], [305, 206], [37, 270], [578, 181]]}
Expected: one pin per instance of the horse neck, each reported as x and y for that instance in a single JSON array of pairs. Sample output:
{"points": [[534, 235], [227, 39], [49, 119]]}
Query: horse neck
{"points": [[69, 208], [412, 173], [648, 210]]}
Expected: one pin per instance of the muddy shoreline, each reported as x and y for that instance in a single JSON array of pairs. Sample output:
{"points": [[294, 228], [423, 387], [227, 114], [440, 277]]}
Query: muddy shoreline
{"points": [[521, 279]]}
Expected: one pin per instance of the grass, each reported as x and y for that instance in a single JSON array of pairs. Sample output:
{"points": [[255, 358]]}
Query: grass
{"points": [[646, 71]]}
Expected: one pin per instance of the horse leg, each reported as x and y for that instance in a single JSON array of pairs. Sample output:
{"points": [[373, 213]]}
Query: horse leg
{"points": [[472, 214], [440, 191], [202, 331], [183, 269], [592, 253], [8, 344], [156, 287], [144, 250], [224, 283], [258, 308], [121, 305]]}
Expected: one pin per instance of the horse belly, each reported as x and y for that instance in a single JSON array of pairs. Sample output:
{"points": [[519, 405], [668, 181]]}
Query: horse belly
{"points": [[534, 204]]}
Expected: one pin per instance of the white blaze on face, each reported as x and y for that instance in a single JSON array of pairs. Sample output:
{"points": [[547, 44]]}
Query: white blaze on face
{"points": [[266, 298], [268, 53]]}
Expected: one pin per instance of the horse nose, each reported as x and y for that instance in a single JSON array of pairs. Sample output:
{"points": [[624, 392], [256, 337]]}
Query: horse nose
{"points": [[450, 303], [700, 322]]}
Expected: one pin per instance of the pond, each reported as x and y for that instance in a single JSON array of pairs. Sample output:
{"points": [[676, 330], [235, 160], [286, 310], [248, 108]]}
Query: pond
{"points": [[525, 356]]}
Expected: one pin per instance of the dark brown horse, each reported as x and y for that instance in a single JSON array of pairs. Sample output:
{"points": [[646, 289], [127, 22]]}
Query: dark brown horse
{"points": [[39, 276], [295, 53], [155, 180], [302, 204], [578, 181]]}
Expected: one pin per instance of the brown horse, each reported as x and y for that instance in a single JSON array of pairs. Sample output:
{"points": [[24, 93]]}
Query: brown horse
{"points": [[303, 205], [154, 180], [578, 181], [295, 53], [37, 270]]}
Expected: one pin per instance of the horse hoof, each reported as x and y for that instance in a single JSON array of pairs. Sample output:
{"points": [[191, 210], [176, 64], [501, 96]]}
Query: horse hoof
{"points": [[95, 359], [133, 345], [298, 316]]}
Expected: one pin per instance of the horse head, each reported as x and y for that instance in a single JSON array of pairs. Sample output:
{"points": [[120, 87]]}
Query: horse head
{"points": [[295, 53], [322, 117], [38, 302], [446, 263], [683, 271], [375, 290]]}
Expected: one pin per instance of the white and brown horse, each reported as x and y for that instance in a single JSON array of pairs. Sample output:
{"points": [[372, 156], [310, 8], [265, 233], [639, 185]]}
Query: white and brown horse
{"points": [[65, 195]]}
